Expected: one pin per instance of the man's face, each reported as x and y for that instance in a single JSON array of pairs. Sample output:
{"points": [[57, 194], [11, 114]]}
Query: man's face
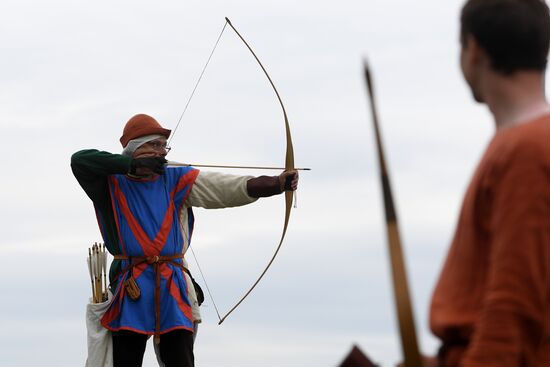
{"points": [[153, 148], [469, 64]]}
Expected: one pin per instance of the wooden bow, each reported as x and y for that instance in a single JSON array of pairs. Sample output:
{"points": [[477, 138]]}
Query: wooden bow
{"points": [[289, 162], [289, 165]]}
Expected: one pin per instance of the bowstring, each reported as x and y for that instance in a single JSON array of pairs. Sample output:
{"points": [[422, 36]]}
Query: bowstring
{"points": [[197, 83], [205, 283], [174, 134]]}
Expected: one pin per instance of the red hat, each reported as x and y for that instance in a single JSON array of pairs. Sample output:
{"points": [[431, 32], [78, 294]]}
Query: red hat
{"points": [[141, 125]]}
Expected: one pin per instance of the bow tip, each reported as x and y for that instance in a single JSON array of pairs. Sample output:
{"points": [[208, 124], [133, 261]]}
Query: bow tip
{"points": [[366, 65], [367, 74]]}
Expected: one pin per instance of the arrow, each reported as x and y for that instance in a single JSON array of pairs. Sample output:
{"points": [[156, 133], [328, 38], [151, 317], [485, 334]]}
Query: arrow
{"points": [[178, 164]]}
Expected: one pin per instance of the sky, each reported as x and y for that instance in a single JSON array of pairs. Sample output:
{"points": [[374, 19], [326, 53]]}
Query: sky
{"points": [[73, 72]]}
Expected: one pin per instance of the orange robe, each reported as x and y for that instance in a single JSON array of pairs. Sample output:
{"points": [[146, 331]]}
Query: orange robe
{"points": [[491, 305]]}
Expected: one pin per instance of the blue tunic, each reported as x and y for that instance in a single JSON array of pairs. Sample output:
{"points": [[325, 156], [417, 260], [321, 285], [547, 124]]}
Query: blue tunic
{"points": [[147, 221]]}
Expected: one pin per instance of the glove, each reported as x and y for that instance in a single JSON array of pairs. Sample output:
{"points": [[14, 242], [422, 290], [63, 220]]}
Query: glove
{"points": [[154, 164], [288, 180], [288, 183]]}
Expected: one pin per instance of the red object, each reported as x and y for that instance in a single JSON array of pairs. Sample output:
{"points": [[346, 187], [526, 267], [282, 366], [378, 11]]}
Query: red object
{"points": [[356, 358], [141, 125]]}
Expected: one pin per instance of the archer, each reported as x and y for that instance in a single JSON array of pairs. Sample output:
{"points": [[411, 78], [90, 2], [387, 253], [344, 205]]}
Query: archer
{"points": [[144, 212]]}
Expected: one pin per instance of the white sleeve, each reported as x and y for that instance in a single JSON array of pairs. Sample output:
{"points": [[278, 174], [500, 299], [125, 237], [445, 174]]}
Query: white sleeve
{"points": [[213, 190]]}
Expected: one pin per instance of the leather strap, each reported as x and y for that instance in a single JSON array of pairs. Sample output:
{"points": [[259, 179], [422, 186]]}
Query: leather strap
{"points": [[155, 261]]}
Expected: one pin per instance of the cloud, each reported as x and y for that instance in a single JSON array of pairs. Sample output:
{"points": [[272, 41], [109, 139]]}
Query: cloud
{"points": [[73, 73]]}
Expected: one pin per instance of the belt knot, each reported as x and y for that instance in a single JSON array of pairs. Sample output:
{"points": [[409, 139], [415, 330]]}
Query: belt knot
{"points": [[155, 260], [152, 259]]}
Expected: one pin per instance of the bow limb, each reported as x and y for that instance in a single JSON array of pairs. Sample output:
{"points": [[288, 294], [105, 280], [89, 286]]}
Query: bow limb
{"points": [[289, 165]]}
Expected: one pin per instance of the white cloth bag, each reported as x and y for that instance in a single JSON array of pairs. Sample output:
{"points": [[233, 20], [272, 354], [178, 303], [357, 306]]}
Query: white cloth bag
{"points": [[100, 340]]}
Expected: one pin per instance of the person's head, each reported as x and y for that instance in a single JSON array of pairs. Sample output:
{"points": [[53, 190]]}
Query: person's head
{"points": [[143, 136], [512, 35]]}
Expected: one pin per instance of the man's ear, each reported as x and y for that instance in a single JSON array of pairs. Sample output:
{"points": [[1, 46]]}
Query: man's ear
{"points": [[476, 55]]}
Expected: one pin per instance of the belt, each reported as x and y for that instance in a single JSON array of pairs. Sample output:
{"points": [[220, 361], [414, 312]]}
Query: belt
{"points": [[155, 261]]}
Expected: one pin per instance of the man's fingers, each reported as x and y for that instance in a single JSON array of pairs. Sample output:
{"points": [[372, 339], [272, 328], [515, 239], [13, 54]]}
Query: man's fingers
{"points": [[288, 183], [153, 164], [290, 180]]}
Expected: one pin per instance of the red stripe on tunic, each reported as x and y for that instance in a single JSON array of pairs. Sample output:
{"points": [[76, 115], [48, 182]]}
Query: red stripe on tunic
{"points": [[114, 182], [175, 292], [136, 229], [148, 247]]}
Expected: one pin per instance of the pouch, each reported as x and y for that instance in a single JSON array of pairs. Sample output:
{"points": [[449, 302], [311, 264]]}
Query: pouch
{"points": [[132, 289]]}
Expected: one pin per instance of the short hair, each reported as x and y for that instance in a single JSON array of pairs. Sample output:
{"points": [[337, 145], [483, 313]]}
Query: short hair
{"points": [[514, 33]]}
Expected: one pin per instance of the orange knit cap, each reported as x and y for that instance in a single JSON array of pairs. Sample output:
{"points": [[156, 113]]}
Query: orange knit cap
{"points": [[141, 125]]}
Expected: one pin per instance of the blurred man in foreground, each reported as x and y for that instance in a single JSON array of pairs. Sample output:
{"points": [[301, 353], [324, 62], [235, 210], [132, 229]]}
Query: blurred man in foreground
{"points": [[491, 305]]}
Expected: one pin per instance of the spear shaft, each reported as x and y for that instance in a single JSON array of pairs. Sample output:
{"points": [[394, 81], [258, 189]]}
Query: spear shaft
{"points": [[407, 328]]}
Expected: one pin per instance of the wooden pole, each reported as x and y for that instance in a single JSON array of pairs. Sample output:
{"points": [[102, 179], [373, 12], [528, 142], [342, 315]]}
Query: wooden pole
{"points": [[405, 317]]}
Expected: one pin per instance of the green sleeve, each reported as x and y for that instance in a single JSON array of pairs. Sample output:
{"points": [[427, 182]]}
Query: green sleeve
{"points": [[92, 168]]}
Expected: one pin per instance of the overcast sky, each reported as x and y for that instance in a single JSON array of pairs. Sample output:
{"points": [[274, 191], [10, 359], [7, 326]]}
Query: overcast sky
{"points": [[73, 72]]}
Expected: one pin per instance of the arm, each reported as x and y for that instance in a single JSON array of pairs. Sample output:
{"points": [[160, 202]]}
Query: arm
{"points": [[217, 190], [264, 186], [510, 325], [213, 190], [92, 167]]}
